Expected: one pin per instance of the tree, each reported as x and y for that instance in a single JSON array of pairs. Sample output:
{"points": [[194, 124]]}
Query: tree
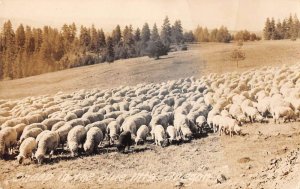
{"points": [[267, 30], [177, 33], [110, 49], [238, 54], [137, 35], [166, 33], [155, 47], [84, 37], [154, 34], [145, 36], [188, 37], [20, 37], [116, 35], [9, 49]]}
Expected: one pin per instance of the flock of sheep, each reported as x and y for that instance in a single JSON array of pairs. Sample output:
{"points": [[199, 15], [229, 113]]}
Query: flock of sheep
{"points": [[170, 111]]}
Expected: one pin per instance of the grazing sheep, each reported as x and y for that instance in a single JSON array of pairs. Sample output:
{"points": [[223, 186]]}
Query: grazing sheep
{"points": [[63, 133], [93, 117], [27, 149], [171, 133], [286, 113], [50, 122], [35, 125], [20, 128], [230, 125], [200, 122], [8, 139], [100, 124], [141, 134], [124, 141], [58, 125], [47, 144], [34, 132], [38, 138], [159, 135], [93, 138], [76, 137], [113, 131], [70, 116]]}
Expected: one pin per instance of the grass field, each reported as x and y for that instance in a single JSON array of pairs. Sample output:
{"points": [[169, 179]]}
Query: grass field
{"points": [[265, 156], [200, 59]]}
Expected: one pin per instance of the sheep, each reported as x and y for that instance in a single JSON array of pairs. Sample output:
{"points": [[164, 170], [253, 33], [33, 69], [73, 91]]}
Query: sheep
{"points": [[171, 133], [124, 141], [230, 125], [27, 149], [252, 113], [14, 122], [58, 125], [200, 122], [38, 138], [20, 128], [76, 136], [159, 135], [141, 134], [70, 116], [63, 133], [284, 112], [113, 131], [50, 122], [79, 121], [161, 119], [100, 124], [47, 144], [93, 138], [35, 125], [93, 117], [34, 132], [35, 118], [8, 139]]}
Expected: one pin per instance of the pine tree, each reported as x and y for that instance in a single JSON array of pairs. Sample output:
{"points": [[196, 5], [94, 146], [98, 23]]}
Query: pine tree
{"points": [[116, 35], [20, 37], [93, 46], [145, 36], [154, 33], [101, 40], [273, 29], [84, 38], [267, 30], [279, 30], [110, 50], [177, 33], [155, 47], [137, 35], [37, 39], [166, 33], [9, 50]]}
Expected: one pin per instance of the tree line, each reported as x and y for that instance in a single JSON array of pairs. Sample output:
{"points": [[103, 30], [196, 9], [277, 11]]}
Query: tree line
{"points": [[30, 51], [289, 28]]}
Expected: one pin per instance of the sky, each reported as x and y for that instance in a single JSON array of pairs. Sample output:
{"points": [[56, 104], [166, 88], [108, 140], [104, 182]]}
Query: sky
{"points": [[106, 14]]}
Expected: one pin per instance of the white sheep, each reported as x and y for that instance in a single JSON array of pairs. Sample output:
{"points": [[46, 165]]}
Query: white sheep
{"points": [[113, 131], [47, 144], [284, 112], [58, 125], [159, 135], [229, 125], [63, 133], [171, 133], [27, 149], [34, 132], [76, 137], [8, 139], [141, 134], [93, 138]]}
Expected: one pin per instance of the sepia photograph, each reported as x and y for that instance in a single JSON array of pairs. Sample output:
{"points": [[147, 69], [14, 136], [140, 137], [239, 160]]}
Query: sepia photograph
{"points": [[150, 94]]}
